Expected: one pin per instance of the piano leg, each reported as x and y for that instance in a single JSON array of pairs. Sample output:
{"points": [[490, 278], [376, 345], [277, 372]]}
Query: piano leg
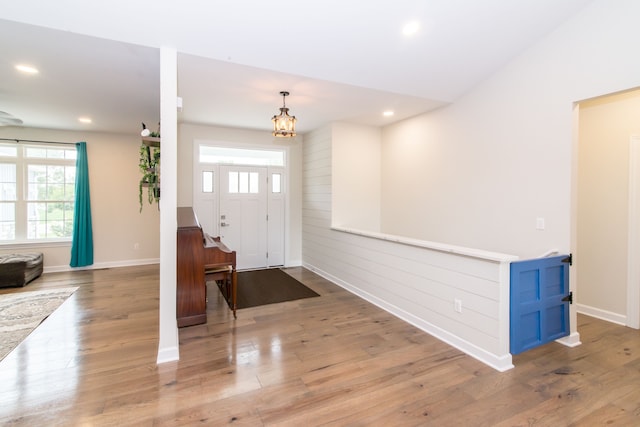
{"points": [[234, 291], [226, 279]]}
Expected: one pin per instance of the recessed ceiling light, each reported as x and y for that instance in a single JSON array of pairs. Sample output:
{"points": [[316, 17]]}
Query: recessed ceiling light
{"points": [[85, 119], [388, 113], [27, 69], [411, 28]]}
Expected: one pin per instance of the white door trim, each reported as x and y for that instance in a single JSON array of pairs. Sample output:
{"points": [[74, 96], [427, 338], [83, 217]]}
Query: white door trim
{"points": [[633, 257], [196, 184]]}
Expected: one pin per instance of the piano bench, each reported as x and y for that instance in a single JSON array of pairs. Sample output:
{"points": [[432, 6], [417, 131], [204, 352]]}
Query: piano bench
{"points": [[224, 278], [217, 269]]}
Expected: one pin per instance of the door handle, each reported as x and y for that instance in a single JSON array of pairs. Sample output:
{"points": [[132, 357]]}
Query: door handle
{"points": [[224, 224]]}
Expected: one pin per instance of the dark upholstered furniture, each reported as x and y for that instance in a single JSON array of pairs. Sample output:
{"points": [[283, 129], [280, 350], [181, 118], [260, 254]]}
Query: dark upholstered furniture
{"points": [[19, 269]]}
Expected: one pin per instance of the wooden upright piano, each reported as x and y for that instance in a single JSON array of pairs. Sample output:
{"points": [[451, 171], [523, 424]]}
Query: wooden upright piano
{"points": [[199, 253]]}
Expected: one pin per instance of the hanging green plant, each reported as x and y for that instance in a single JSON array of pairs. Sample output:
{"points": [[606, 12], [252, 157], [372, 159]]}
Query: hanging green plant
{"points": [[149, 166]]}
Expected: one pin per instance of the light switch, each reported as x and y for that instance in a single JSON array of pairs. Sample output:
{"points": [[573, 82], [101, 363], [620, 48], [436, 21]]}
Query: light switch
{"points": [[539, 223]]}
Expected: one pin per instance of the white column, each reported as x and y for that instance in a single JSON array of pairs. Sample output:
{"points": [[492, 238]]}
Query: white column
{"points": [[168, 349]]}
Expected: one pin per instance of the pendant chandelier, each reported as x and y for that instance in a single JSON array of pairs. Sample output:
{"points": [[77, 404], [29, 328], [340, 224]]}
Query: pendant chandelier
{"points": [[284, 125]]}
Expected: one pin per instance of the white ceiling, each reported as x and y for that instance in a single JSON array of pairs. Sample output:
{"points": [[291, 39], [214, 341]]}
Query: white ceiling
{"points": [[340, 60]]}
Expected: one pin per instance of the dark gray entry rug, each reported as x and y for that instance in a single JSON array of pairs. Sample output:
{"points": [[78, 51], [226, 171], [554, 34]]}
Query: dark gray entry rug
{"points": [[262, 287]]}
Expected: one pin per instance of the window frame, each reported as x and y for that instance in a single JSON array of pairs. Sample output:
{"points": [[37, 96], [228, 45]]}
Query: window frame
{"points": [[22, 161]]}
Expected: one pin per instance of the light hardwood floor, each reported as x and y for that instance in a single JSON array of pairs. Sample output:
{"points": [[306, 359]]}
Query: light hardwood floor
{"points": [[330, 360]]}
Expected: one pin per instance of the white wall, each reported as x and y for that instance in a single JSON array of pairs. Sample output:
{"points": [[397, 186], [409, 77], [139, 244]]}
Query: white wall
{"points": [[316, 194], [187, 133], [117, 223], [416, 281], [606, 125], [480, 172], [356, 166]]}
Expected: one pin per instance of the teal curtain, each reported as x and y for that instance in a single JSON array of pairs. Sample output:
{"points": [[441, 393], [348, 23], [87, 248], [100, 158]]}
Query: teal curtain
{"points": [[82, 244]]}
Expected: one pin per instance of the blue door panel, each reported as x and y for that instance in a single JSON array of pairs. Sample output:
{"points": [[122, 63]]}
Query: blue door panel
{"points": [[530, 335], [538, 313], [529, 290], [555, 322], [555, 282]]}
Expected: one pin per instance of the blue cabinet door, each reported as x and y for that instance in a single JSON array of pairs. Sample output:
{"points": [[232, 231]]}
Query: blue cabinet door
{"points": [[539, 302]]}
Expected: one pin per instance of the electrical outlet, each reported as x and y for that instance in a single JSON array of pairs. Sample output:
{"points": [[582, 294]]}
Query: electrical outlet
{"points": [[136, 246], [457, 305]]}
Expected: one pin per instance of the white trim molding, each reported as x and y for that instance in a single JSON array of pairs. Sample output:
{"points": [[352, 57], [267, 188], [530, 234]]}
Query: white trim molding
{"points": [[598, 313], [633, 250]]}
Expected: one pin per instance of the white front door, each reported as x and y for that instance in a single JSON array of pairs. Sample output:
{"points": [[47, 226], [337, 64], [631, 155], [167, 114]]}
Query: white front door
{"points": [[243, 214], [245, 205]]}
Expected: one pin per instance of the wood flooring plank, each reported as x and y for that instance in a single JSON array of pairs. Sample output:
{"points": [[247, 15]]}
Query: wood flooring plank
{"points": [[332, 360]]}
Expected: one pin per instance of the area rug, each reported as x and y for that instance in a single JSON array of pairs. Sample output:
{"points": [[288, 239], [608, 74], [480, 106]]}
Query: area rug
{"points": [[22, 312], [270, 286]]}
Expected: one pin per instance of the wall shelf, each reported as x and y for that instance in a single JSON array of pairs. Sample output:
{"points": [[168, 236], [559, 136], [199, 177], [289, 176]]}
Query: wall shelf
{"points": [[151, 141]]}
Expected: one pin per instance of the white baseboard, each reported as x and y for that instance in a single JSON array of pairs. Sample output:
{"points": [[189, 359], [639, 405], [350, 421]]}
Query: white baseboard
{"points": [[169, 346], [165, 355], [101, 265], [572, 340], [598, 313], [293, 263], [498, 362]]}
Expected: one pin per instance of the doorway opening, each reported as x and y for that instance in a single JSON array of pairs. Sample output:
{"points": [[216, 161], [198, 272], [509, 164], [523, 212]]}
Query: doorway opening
{"points": [[239, 194], [606, 237]]}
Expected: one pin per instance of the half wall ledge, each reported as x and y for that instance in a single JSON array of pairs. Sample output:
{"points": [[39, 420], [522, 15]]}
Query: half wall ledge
{"points": [[442, 247]]}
